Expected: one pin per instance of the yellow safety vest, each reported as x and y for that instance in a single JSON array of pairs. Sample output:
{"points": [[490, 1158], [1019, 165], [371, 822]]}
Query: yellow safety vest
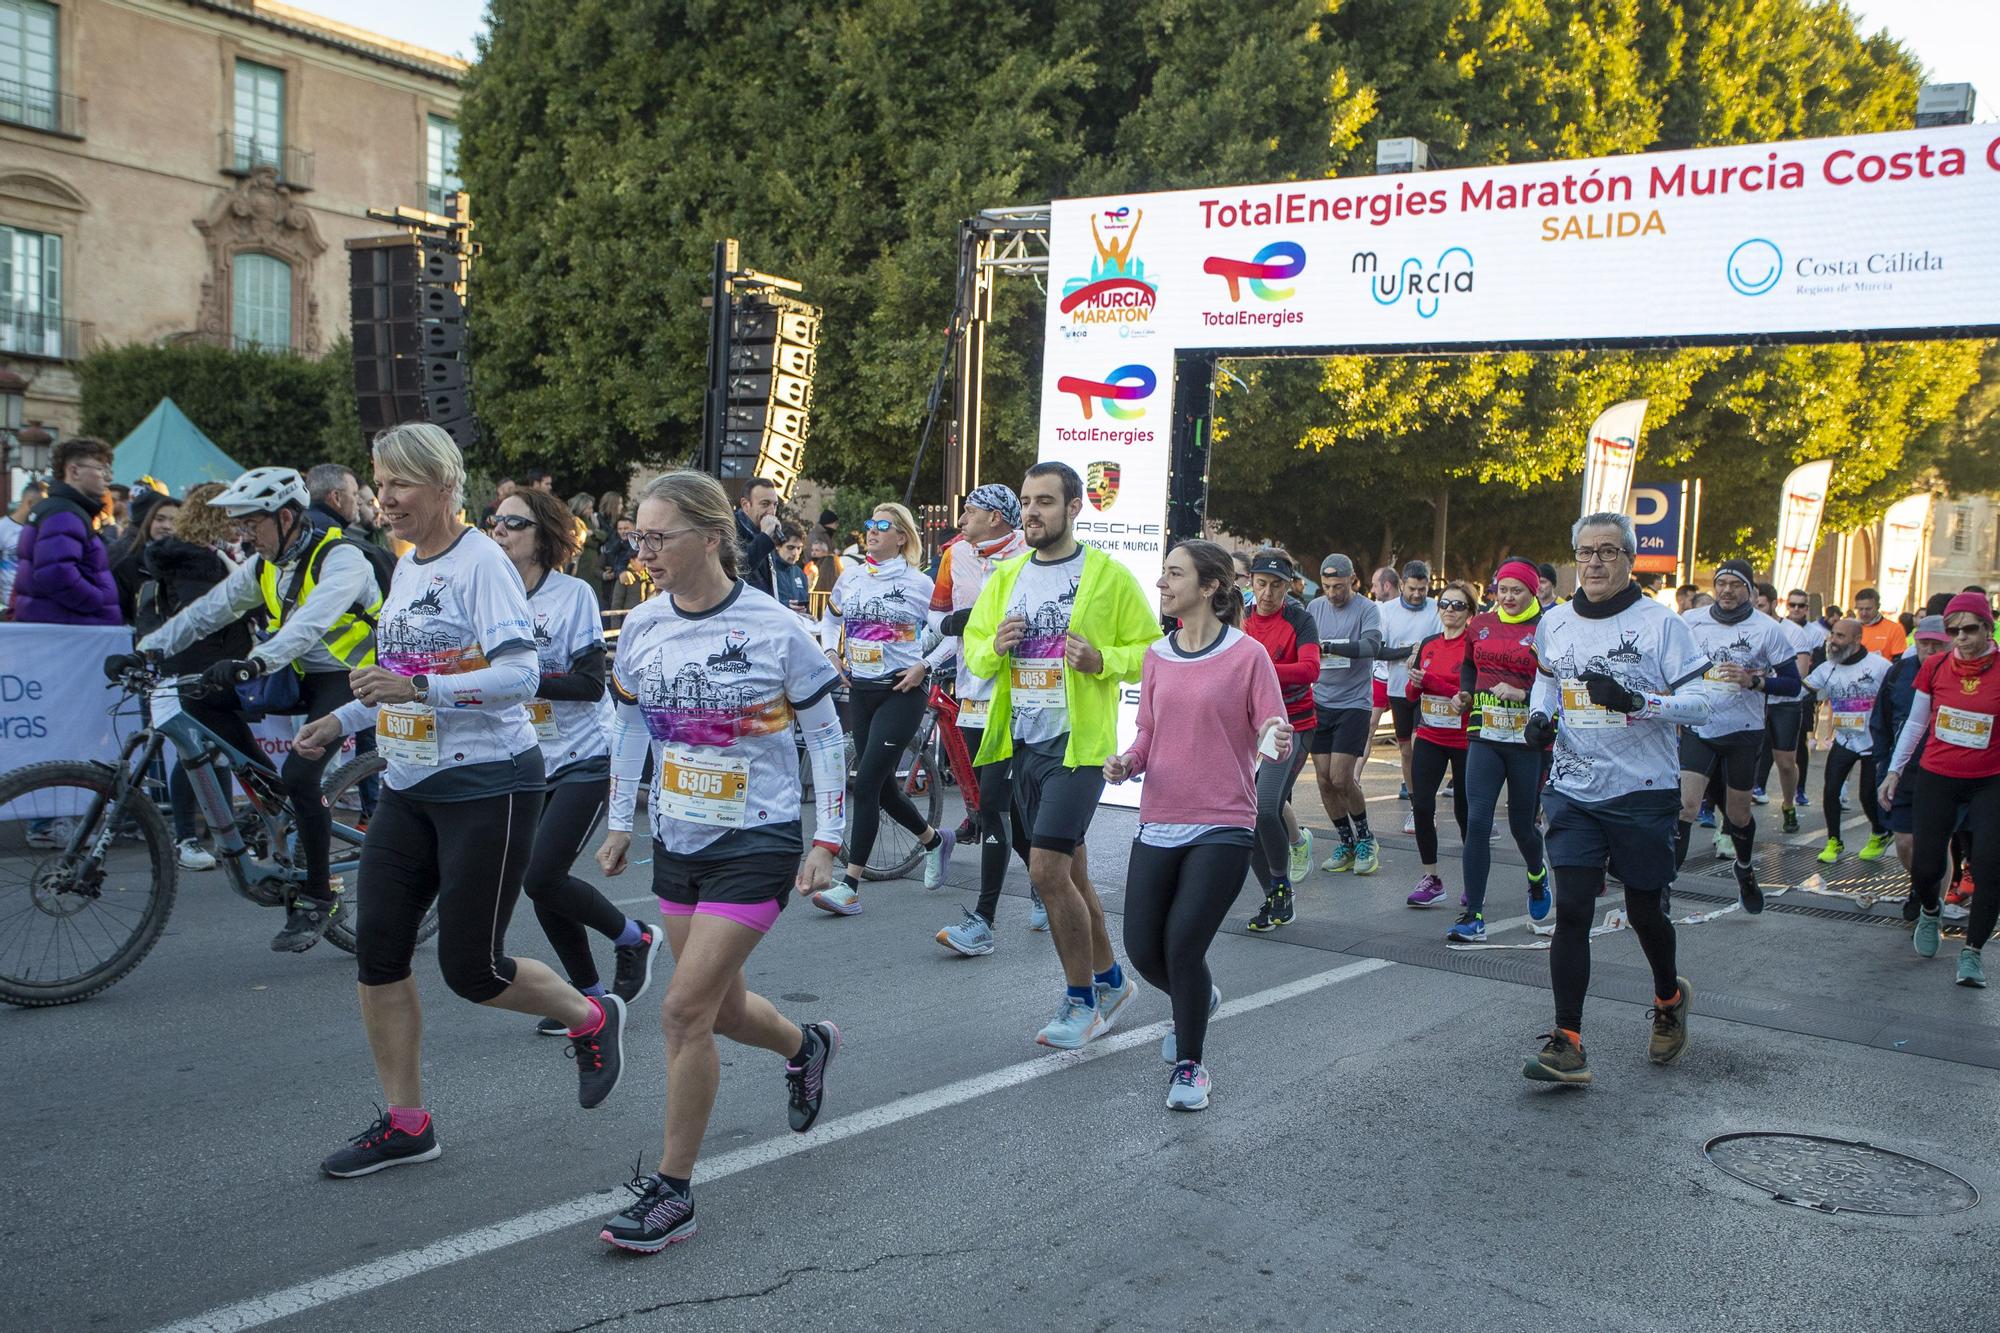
{"points": [[350, 639]]}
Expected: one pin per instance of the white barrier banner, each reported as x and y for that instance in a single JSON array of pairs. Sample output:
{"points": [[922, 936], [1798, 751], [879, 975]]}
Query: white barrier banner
{"points": [[1609, 455], [1801, 504], [1902, 547], [54, 700]]}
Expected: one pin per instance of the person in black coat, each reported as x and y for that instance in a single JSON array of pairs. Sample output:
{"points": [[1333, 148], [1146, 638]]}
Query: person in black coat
{"points": [[153, 517]]}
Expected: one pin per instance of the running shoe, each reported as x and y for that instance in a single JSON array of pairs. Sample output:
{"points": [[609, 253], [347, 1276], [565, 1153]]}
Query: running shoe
{"points": [[1540, 900], [1470, 928], [1111, 999], [1302, 856], [381, 1146], [1725, 847], [1367, 857], [1428, 893], [938, 859], [49, 835], [659, 1216], [1706, 816], [1747, 891], [1449, 790], [1409, 822], [1278, 910], [1802, 802], [600, 1057], [1925, 937], [1187, 1090], [1971, 969], [970, 938], [635, 965], [305, 921], [1074, 1024], [1670, 1028], [805, 1082], [1038, 915], [1831, 852], [191, 855], [1878, 843], [841, 900], [1170, 1050], [1757, 795], [965, 831], [1403, 792], [1559, 1061], [1791, 819], [1342, 859], [1957, 904]]}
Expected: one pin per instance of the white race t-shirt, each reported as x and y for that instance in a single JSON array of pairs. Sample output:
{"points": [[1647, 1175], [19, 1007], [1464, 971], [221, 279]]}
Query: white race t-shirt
{"points": [[1805, 638], [1600, 754], [718, 690], [567, 626], [1754, 643], [445, 616], [1404, 626], [1849, 690], [883, 609], [1045, 595]]}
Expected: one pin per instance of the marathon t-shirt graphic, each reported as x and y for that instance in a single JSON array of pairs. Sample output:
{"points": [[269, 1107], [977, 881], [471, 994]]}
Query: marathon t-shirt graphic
{"points": [[1850, 690], [1755, 643], [567, 626], [1599, 754], [883, 609], [1044, 595]]}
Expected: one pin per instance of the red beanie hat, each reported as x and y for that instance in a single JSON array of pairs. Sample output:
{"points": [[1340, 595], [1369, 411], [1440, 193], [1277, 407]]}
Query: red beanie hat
{"points": [[1520, 571], [1969, 604]]}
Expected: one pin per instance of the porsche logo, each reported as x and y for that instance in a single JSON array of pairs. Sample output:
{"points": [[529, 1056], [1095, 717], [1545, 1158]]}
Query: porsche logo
{"points": [[1100, 481]]}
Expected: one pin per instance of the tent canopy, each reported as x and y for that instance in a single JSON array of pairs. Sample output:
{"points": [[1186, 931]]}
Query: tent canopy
{"points": [[169, 448]]}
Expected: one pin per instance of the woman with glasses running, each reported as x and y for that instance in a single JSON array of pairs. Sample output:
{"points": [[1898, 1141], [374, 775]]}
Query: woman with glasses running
{"points": [[877, 614], [1439, 744], [539, 535], [1952, 713]]}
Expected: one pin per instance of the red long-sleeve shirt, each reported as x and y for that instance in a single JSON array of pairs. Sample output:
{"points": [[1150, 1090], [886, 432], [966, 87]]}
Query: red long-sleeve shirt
{"points": [[1292, 640], [1434, 684]]}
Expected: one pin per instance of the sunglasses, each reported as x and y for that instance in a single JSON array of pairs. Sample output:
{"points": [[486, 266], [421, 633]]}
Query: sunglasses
{"points": [[1975, 627], [513, 522], [1453, 604], [878, 525]]}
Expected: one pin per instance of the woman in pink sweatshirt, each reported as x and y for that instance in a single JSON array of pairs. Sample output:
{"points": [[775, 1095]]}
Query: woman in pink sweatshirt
{"points": [[1208, 698]]}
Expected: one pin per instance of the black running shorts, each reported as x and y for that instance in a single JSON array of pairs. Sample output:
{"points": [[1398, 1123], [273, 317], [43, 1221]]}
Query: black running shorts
{"points": [[1404, 713], [1055, 801], [1635, 833], [1782, 723], [1341, 731], [747, 881], [1735, 754]]}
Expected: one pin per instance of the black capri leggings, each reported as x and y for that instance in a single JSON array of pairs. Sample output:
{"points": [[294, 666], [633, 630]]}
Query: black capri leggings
{"points": [[1175, 899], [1427, 765], [468, 856], [882, 722], [563, 903], [1271, 856], [1934, 815], [1489, 764], [999, 824]]}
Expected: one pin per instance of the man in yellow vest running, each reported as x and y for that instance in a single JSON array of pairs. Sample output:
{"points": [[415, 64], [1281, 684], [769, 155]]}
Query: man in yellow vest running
{"points": [[318, 595]]}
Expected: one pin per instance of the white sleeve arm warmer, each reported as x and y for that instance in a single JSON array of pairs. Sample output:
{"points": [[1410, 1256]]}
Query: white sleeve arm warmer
{"points": [[629, 742], [510, 678], [1689, 708], [827, 750], [1912, 734], [1543, 695]]}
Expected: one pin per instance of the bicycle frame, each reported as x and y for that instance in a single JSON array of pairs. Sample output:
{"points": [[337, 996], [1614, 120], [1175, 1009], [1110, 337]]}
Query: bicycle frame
{"points": [[959, 755]]}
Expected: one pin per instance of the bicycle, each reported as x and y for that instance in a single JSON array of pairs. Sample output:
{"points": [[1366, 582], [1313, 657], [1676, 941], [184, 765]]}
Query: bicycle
{"points": [[63, 825]]}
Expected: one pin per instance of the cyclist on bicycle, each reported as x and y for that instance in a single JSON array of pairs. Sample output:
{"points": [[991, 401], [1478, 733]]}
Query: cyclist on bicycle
{"points": [[319, 595]]}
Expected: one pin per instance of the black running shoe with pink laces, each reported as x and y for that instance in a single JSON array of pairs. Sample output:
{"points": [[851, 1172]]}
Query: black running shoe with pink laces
{"points": [[659, 1216], [806, 1081], [600, 1057], [381, 1146]]}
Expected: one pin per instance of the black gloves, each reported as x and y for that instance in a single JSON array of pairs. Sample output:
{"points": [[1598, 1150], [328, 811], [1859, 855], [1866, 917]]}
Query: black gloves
{"points": [[229, 673], [953, 625], [1539, 732], [1606, 691], [118, 664]]}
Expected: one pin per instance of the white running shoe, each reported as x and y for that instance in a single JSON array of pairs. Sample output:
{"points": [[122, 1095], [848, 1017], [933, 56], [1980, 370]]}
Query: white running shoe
{"points": [[193, 856], [1409, 821], [1074, 1024], [1187, 1090], [841, 900], [1110, 1001]]}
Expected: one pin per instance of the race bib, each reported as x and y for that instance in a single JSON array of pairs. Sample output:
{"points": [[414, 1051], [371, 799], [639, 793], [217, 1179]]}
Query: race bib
{"points": [[1503, 721], [1583, 715], [1852, 714], [1038, 683], [542, 713], [704, 787], [1712, 681], [864, 656], [973, 712], [1334, 662], [1440, 712], [407, 734], [1968, 731]]}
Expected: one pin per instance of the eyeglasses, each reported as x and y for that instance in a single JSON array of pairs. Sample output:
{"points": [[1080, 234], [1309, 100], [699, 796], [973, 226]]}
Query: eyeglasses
{"points": [[1453, 604], [1587, 555], [654, 541], [103, 469], [1975, 627], [513, 522], [878, 525], [1795, 606]]}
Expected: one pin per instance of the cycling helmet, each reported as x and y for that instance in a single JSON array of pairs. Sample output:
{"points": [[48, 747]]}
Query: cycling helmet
{"points": [[263, 490]]}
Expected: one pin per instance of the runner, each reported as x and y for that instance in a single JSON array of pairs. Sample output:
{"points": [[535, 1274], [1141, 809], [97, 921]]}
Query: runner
{"points": [[463, 790], [1957, 697], [1350, 640], [1879, 633], [1058, 631], [1885, 723], [538, 534], [877, 615], [1789, 723], [1290, 636], [1440, 737], [1499, 675], [1850, 680], [1381, 591], [710, 676], [1750, 658], [989, 529], [1209, 705], [1407, 620], [1615, 661]]}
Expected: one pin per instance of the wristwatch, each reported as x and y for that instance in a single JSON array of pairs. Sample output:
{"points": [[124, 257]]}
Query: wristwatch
{"points": [[422, 685]]}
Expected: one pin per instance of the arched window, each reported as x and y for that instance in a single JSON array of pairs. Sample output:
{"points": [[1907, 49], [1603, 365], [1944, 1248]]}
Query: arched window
{"points": [[261, 300]]}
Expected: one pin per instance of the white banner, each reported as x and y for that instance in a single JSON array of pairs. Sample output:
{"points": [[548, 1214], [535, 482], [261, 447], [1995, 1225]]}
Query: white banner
{"points": [[1609, 455], [1801, 504], [1902, 547], [54, 700]]}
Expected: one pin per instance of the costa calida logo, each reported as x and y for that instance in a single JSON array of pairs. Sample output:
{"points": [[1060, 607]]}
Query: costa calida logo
{"points": [[1116, 290], [1127, 384], [1276, 262]]}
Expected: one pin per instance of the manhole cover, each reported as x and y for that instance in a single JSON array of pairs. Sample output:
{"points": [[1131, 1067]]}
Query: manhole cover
{"points": [[1836, 1176]]}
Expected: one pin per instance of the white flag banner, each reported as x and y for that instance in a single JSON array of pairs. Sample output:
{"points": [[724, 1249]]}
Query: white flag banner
{"points": [[1609, 456], [1902, 547], [1801, 504]]}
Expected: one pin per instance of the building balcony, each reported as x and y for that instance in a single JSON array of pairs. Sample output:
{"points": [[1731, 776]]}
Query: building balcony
{"points": [[241, 156], [41, 109], [41, 337]]}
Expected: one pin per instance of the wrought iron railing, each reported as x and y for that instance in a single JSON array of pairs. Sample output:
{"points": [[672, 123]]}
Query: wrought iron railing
{"points": [[41, 108], [242, 155]]}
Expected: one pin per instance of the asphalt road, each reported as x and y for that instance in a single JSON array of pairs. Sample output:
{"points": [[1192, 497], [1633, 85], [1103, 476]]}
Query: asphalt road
{"points": [[1372, 1158]]}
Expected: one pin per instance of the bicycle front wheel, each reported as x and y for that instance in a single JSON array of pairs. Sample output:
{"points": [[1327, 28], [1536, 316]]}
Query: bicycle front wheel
{"points": [[897, 851], [72, 924]]}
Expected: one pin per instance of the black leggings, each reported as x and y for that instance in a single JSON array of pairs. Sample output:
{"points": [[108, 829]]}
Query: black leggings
{"points": [[1488, 764], [467, 856], [999, 824], [1577, 888], [1271, 855], [1175, 899], [1427, 765], [1934, 814], [563, 903], [882, 720], [1840, 761]]}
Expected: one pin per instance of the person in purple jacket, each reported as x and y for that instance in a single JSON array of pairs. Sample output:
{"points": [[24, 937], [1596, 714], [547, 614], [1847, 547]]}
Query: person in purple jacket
{"points": [[63, 576]]}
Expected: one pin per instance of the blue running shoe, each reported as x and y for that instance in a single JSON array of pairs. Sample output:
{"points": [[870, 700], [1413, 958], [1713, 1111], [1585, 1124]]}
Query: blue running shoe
{"points": [[1540, 900], [1470, 928], [1110, 1000], [1707, 816], [1038, 915], [1074, 1024], [971, 938], [1188, 1089]]}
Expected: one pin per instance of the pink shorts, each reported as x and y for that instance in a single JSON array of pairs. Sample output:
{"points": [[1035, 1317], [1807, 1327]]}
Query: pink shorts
{"points": [[760, 917], [750, 890], [1381, 695]]}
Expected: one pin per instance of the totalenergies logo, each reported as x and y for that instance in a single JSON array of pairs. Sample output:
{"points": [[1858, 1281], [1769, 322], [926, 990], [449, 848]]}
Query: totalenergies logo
{"points": [[1116, 292], [1274, 263], [1127, 384]]}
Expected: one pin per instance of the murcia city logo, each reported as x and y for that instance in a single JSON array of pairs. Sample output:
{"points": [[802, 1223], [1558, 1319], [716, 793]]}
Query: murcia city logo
{"points": [[1426, 286]]}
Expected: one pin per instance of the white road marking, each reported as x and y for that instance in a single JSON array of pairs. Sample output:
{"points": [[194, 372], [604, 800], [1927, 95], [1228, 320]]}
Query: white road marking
{"points": [[283, 1304]]}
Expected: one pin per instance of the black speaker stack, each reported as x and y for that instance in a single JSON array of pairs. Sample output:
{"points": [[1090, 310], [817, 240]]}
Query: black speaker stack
{"points": [[408, 326]]}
